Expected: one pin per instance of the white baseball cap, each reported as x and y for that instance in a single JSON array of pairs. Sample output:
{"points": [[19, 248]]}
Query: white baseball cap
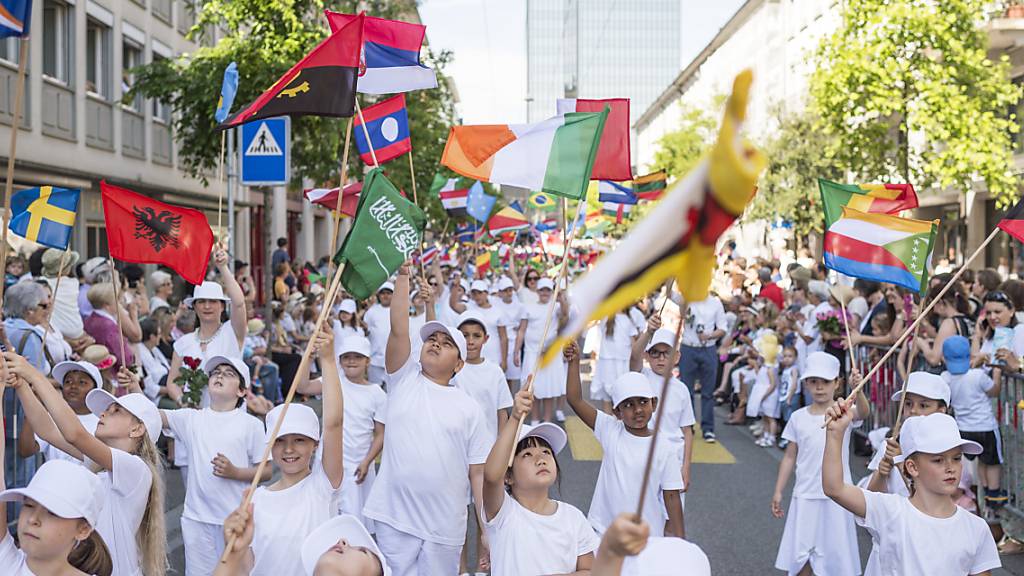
{"points": [[631, 385], [207, 291], [821, 365], [329, 533], [926, 384], [470, 316], [98, 400], [300, 419], [550, 433], [355, 343], [236, 363], [61, 370], [668, 557], [932, 434], [504, 283], [386, 286], [456, 335], [464, 284], [478, 286], [662, 336], [347, 305], [545, 283], [66, 489]]}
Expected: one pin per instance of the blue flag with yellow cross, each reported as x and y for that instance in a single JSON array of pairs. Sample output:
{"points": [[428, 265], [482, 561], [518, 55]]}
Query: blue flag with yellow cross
{"points": [[45, 215]]}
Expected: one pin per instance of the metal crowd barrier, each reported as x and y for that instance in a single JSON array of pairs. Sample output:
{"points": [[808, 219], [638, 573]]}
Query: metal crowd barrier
{"points": [[884, 383], [1010, 413]]}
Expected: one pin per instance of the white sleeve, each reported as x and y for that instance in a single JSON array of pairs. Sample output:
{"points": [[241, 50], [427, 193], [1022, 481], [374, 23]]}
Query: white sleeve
{"points": [[129, 473], [409, 368], [686, 417], [879, 510], [257, 440], [10, 555], [504, 513], [477, 446], [984, 380], [380, 407], [721, 323], [671, 475], [790, 432], [1018, 340], [504, 396], [986, 555], [586, 540], [603, 425]]}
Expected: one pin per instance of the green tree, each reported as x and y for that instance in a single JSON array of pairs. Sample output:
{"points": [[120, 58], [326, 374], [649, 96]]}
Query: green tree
{"points": [[908, 92], [265, 38], [680, 150], [788, 188]]}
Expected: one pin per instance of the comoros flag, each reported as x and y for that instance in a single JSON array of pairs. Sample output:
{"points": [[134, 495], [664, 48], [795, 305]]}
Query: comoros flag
{"points": [[387, 125]]}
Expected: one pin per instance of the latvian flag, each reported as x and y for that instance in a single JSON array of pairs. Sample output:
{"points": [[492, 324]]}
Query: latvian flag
{"points": [[328, 198], [454, 199], [391, 55]]}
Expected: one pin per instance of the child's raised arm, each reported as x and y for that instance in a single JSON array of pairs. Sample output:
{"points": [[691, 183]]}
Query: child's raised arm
{"points": [[839, 416], [396, 354], [334, 408], [497, 460], [39, 419], [636, 355], [574, 388]]}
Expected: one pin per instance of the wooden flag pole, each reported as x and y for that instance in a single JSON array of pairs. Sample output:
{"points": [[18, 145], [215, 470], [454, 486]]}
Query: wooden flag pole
{"points": [[220, 180], [562, 273], [658, 417], [302, 371], [903, 390], [366, 133], [115, 279], [415, 200], [342, 176], [849, 338], [53, 300], [923, 314], [19, 91]]}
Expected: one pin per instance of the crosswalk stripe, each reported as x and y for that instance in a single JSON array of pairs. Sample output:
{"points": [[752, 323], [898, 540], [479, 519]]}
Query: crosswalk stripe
{"points": [[585, 446]]}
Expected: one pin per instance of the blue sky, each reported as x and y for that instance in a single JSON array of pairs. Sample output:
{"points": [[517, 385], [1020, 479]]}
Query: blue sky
{"points": [[488, 40]]}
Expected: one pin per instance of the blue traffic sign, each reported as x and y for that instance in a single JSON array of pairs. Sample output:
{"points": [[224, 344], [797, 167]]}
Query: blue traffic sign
{"points": [[265, 152]]}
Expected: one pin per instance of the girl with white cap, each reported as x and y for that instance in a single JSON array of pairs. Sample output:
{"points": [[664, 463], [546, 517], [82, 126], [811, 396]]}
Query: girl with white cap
{"points": [[213, 336], [224, 445], [434, 444], [77, 380], [306, 494], [496, 348], [122, 452], [347, 323], [548, 382], [819, 536], [926, 533], [529, 533]]}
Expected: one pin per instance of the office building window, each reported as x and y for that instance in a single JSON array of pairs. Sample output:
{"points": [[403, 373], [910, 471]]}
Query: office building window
{"points": [[9, 50], [161, 111], [58, 25], [131, 57], [97, 58]]}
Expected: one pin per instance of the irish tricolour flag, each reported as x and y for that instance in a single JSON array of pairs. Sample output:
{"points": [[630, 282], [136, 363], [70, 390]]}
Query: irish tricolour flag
{"points": [[554, 156], [881, 247]]}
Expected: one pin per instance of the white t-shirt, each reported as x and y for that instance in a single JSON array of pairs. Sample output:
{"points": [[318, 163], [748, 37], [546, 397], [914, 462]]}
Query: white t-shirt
{"points": [[485, 383], [972, 407], [535, 316], [527, 296], [703, 317], [284, 518], [364, 405], [524, 543], [378, 323], [908, 541], [342, 331], [206, 433], [493, 318], [127, 487], [805, 430], [894, 483], [678, 407], [89, 421], [618, 482], [433, 434], [619, 345]]}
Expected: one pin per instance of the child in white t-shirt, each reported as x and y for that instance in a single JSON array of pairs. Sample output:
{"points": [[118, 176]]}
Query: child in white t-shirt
{"points": [[482, 379], [926, 533], [435, 445], [529, 533], [77, 380], [548, 382], [122, 451], [626, 439], [655, 345], [789, 387], [818, 532], [225, 445], [617, 335], [306, 494]]}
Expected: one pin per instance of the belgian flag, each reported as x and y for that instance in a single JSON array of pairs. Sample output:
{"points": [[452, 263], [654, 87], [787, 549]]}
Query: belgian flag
{"points": [[321, 84]]}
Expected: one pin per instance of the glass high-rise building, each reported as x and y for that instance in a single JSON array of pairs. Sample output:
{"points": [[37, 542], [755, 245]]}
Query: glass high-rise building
{"points": [[600, 49]]}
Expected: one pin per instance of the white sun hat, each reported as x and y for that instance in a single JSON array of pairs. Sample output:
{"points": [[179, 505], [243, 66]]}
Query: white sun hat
{"points": [[207, 291]]}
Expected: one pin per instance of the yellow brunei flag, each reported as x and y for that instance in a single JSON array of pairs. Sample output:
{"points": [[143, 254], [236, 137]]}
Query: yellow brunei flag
{"points": [[678, 239]]}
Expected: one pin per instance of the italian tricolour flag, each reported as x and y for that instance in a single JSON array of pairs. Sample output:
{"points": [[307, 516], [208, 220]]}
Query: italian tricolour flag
{"points": [[554, 156]]}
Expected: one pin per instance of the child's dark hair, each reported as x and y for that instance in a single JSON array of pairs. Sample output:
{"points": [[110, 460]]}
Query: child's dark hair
{"points": [[149, 327], [534, 442], [474, 322]]}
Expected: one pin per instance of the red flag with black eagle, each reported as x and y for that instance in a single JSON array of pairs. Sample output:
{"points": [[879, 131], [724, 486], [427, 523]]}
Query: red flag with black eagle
{"points": [[1013, 222], [323, 83], [146, 231]]}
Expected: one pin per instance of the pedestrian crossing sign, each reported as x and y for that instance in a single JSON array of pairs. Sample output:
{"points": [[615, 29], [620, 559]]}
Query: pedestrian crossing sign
{"points": [[265, 152]]}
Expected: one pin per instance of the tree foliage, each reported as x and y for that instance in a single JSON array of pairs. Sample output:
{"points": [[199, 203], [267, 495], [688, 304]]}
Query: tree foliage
{"points": [[265, 38], [908, 92], [681, 149], [788, 188]]}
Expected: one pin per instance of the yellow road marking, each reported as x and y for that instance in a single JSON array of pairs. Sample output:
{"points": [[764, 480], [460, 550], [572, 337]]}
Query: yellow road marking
{"points": [[585, 447]]}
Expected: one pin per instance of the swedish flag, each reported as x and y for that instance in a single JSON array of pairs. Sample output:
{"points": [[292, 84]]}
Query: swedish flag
{"points": [[45, 215]]}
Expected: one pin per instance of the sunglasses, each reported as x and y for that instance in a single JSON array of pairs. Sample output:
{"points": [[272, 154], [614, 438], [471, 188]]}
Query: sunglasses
{"points": [[1000, 297]]}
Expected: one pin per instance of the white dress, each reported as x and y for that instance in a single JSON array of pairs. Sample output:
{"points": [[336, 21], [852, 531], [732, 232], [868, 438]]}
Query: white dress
{"points": [[548, 382], [613, 359]]}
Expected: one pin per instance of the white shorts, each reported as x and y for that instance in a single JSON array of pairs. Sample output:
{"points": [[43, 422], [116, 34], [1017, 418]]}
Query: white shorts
{"points": [[203, 543], [408, 555]]}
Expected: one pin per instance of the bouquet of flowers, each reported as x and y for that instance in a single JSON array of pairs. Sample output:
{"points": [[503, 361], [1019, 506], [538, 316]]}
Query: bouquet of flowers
{"points": [[832, 325], [192, 380]]}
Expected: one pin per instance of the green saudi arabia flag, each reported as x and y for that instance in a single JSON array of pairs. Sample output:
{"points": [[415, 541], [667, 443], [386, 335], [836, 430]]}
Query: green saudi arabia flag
{"points": [[386, 231]]}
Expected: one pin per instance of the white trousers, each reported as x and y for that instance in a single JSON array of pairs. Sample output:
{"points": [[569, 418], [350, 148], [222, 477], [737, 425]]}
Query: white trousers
{"points": [[408, 555], [204, 544]]}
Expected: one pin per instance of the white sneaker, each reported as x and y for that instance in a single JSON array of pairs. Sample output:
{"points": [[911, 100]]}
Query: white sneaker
{"points": [[559, 415], [759, 430], [769, 441]]}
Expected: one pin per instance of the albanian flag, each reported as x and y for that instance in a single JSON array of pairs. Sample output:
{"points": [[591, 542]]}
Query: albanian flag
{"points": [[145, 231], [321, 84], [1013, 222]]}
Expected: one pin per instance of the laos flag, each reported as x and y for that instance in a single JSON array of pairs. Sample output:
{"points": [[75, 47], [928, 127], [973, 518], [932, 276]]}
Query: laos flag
{"points": [[391, 55], [387, 124]]}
